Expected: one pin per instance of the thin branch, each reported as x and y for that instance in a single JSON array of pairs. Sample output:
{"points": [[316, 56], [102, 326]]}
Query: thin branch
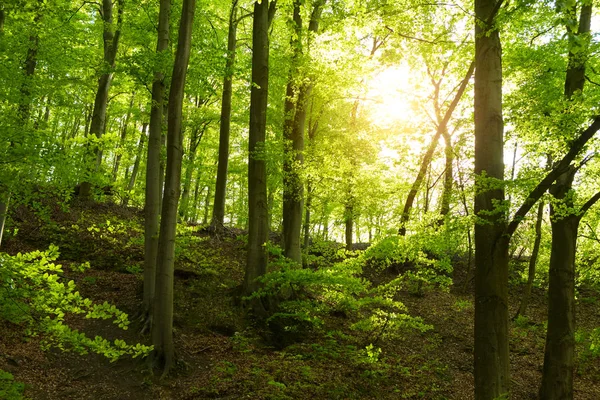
{"points": [[588, 204]]}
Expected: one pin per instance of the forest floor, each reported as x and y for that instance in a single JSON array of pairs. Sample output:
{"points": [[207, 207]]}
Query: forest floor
{"points": [[222, 357]]}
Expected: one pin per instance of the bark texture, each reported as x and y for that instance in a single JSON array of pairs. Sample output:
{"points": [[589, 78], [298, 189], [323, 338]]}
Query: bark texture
{"points": [[491, 248], [258, 229], [152, 191], [162, 329], [559, 355]]}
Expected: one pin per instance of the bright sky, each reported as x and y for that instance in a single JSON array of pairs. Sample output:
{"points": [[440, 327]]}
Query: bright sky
{"points": [[389, 98]]}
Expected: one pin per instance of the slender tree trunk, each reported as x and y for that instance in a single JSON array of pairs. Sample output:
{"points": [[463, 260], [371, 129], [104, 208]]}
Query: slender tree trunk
{"points": [[258, 229], [349, 224], [206, 206], [491, 247], [309, 192], [153, 186], [428, 156], [194, 217], [195, 139], [111, 43], [218, 215], [136, 165], [448, 175], [163, 163], [119, 151], [4, 200], [162, 329]]}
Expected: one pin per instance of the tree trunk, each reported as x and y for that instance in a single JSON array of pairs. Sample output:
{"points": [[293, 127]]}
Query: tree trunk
{"points": [[206, 206], [491, 247], [119, 148], [309, 192], [4, 200], [153, 188], [349, 224], [194, 216], [258, 229], [559, 356], [162, 329], [294, 127], [195, 139], [218, 215], [448, 176], [136, 165], [532, 261], [111, 43]]}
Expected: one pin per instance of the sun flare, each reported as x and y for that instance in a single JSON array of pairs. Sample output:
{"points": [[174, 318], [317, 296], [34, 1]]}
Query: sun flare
{"points": [[390, 96]]}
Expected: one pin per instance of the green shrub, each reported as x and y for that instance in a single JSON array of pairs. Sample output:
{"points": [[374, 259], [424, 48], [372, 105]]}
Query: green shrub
{"points": [[33, 294], [9, 388]]}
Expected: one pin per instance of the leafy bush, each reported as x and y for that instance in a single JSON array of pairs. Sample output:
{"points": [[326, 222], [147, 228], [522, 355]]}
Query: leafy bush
{"points": [[317, 301], [9, 388], [32, 293]]}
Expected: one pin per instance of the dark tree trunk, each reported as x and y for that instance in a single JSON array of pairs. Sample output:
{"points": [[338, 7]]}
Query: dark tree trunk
{"points": [[162, 328], [559, 355], [258, 229], [153, 186], [491, 247], [111, 44], [218, 215]]}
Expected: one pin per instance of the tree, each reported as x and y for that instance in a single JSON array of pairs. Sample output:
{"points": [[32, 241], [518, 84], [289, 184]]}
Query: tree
{"points": [[258, 229], [218, 214], [152, 191], [559, 356], [111, 36], [298, 91], [162, 328], [491, 259]]}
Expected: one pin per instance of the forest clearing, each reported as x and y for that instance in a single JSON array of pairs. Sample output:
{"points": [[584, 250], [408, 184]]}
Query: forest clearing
{"points": [[294, 199]]}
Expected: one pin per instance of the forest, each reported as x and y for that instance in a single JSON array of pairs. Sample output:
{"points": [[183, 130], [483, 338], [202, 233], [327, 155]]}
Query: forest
{"points": [[299, 199]]}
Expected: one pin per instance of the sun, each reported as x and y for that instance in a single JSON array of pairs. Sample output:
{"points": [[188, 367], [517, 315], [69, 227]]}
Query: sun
{"points": [[391, 96]]}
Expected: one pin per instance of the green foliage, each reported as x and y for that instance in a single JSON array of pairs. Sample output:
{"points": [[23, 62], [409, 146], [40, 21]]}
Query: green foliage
{"points": [[9, 388], [310, 298], [33, 293]]}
